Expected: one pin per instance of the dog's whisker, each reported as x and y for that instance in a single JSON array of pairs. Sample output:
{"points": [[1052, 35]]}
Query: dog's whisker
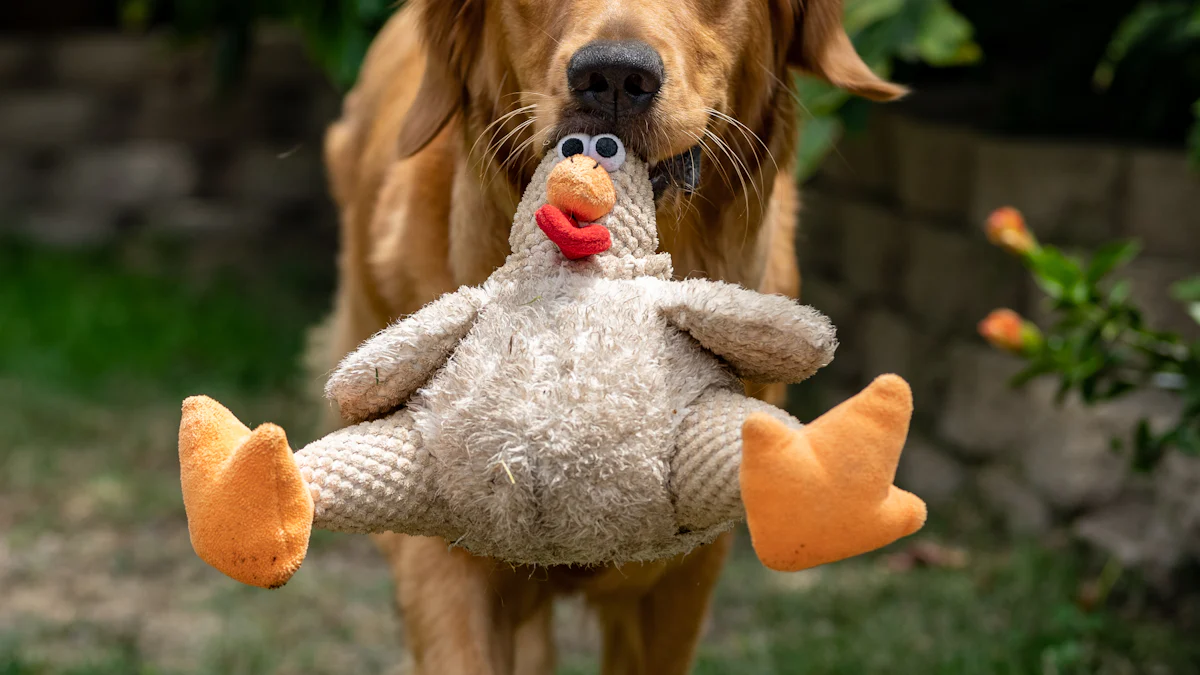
{"points": [[498, 122], [503, 165], [746, 132], [739, 167], [715, 160], [493, 147], [743, 175]]}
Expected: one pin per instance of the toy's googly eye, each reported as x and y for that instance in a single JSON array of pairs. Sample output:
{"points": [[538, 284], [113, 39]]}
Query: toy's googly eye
{"points": [[575, 144], [608, 150]]}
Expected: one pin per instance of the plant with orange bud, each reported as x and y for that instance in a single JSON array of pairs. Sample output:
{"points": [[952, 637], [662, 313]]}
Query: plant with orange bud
{"points": [[1099, 344], [1007, 330]]}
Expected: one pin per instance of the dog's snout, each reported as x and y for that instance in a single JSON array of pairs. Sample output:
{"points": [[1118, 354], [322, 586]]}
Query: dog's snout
{"points": [[615, 78]]}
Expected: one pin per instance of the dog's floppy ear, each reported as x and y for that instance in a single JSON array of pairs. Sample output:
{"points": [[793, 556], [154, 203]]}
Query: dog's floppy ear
{"points": [[820, 46], [451, 31]]}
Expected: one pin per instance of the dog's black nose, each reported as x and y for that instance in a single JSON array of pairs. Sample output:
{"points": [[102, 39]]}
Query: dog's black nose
{"points": [[615, 78]]}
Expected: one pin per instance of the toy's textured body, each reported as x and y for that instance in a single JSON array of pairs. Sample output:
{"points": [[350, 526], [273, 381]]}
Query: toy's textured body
{"points": [[580, 407], [551, 433]]}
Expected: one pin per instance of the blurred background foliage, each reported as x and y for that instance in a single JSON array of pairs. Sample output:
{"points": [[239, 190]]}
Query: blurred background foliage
{"points": [[1082, 68]]}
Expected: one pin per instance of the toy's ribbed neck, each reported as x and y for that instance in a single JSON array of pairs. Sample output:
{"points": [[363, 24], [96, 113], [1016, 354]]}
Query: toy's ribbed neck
{"points": [[544, 259]]}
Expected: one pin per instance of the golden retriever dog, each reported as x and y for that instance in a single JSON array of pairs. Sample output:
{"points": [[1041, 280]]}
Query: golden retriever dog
{"points": [[455, 104]]}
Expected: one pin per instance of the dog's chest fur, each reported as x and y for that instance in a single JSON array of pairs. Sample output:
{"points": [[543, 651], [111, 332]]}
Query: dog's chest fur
{"points": [[554, 421]]}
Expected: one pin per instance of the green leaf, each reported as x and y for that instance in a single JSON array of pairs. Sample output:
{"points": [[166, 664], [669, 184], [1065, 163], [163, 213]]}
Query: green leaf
{"points": [[1057, 274], [862, 13], [1194, 311], [944, 37], [1110, 257], [818, 139], [1142, 23], [1120, 292], [1187, 290], [1147, 450]]}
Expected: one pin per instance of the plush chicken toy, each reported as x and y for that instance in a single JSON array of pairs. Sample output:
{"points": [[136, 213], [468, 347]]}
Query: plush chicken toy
{"points": [[580, 407]]}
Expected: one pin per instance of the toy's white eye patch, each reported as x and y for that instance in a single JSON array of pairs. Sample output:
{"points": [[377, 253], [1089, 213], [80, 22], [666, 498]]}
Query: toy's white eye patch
{"points": [[575, 144], [608, 150]]}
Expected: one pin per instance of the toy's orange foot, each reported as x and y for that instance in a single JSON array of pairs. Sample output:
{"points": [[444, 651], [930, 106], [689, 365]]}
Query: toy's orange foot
{"points": [[249, 510], [824, 492]]}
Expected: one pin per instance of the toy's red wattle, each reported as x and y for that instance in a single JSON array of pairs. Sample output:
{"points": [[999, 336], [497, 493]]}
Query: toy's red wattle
{"points": [[574, 241]]}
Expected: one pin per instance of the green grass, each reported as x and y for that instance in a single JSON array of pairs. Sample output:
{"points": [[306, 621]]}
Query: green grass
{"points": [[80, 321], [93, 360]]}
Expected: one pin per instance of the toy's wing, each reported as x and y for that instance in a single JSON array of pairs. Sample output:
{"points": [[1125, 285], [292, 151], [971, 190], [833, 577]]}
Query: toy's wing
{"points": [[768, 338], [387, 369]]}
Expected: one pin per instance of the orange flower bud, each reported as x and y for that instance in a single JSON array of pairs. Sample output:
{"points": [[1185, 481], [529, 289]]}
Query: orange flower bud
{"points": [[1005, 329], [1006, 228]]}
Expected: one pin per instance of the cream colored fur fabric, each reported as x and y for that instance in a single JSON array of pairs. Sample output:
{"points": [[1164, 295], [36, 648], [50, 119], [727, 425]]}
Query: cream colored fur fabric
{"points": [[563, 412]]}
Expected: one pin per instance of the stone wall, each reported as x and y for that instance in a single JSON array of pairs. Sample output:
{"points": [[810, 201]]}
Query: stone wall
{"points": [[106, 137], [893, 250]]}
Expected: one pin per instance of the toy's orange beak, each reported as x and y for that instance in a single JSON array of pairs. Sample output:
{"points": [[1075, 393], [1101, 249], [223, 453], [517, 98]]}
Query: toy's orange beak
{"points": [[578, 189]]}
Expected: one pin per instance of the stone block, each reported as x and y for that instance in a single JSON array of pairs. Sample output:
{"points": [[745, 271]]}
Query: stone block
{"points": [[953, 280], [1070, 458], [279, 57], [1151, 279], [984, 416], [929, 472], [1069, 193], [189, 111], [893, 343], [106, 59], [1122, 529], [935, 166], [71, 226], [873, 248], [136, 174], [51, 118], [865, 161], [1177, 508], [887, 342], [15, 182], [261, 174], [1163, 204], [836, 302], [197, 218], [15, 56], [1023, 510], [819, 236]]}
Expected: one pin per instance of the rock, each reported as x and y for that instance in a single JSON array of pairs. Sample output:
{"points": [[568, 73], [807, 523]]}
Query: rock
{"points": [[935, 165], [1152, 278], [865, 160], [202, 218], [1070, 459], [49, 118], [279, 57], [953, 280], [1177, 510], [1024, 511], [15, 56], [873, 248], [14, 182], [106, 59], [819, 237], [984, 416], [70, 226], [134, 174], [1163, 206], [887, 342], [1121, 529], [1068, 192], [930, 473], [840, 306], [277, 176]]}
